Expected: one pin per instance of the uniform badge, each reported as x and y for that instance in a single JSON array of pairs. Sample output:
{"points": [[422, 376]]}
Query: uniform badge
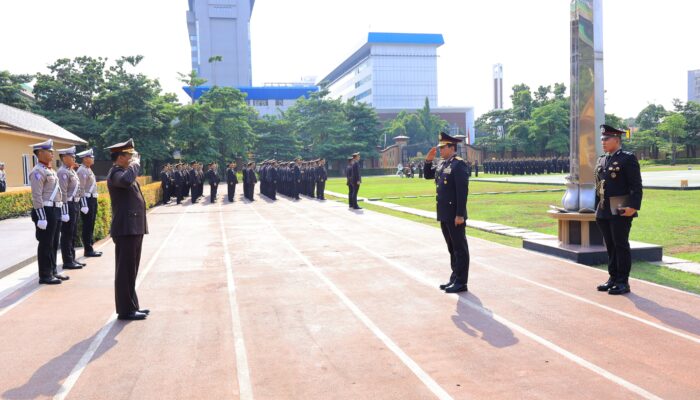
{"points": [[448, 170], [615, 163], [614, 175], [445, 182], [37, 176]]}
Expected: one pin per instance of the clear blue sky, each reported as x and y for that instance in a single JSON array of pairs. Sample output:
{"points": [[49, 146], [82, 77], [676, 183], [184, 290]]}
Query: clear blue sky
{"points": [[649, 45]]}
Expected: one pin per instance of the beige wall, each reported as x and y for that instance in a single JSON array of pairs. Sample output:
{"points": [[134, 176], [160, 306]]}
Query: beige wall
{"points": [[13, 145]]}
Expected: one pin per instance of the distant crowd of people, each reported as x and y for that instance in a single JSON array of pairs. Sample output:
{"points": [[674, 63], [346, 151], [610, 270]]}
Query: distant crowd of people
{"points": [[527, 166]]}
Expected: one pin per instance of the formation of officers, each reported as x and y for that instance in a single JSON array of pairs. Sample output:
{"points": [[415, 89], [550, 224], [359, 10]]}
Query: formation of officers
{"points": [[59, 198], [288, 178], [527, 166]]}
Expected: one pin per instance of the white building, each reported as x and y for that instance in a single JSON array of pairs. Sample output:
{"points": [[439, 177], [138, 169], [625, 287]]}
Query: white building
{"points": [[391, 70], [694, 85]]}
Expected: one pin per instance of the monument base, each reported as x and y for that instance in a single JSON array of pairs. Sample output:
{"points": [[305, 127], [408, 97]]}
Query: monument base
{"points": [[580, 240]]}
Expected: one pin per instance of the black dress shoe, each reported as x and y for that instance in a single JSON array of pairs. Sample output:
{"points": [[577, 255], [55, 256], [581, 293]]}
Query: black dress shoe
{"points": [[82, 264], [72, 266], [446, 285], [606, 286], [620, 288], [145, 311], [357, 208], [94, 254], [456, 288], [50, 281], [134, 316], [61, 277]]}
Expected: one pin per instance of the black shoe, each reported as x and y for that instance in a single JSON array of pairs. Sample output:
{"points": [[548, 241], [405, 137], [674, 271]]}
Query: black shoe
{"points": [[82, 264], [134, 316], [72, 266], [620, 288], [93, 254], [606, 286], [446, 285], [50, 281], [456, 288], [145, 311], [61, 277], [357, 208]]}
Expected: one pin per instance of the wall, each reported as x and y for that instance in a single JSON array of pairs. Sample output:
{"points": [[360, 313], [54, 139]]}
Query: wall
{"points": [[12, 147]]}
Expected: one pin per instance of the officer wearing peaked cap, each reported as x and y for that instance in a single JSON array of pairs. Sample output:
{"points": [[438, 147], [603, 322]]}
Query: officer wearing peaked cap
{"points": [[618, 198], [128, 227], [46, 212], [88, 202], [452, 182], [70, 196]]}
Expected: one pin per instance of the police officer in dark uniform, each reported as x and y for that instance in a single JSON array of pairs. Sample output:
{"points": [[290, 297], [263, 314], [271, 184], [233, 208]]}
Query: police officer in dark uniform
{"points": [[356, 179], [322, 177], [178, 182], [296, 179], [128, 227], [452, 181], [213, 178], [618, 198], [231, 181]]}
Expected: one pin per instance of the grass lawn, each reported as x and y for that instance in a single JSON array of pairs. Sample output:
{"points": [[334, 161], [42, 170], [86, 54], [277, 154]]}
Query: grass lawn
{"points": [[640, 269]]}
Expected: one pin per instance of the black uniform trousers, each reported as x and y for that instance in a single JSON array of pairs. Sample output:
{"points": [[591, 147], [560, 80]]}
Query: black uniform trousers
{"points": [[213, 188], [89, 224], [353, 195], [166, 192], [231, 191], [179, 192], [48, 241], [320, 190], [128, 257], [3, 186], [459, 250], [616, 233], [68, 232]]}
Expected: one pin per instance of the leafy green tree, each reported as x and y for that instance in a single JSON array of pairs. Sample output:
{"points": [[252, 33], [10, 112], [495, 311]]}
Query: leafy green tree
{"points": [[276, 139], [192, 81], [673, 127], [192, 136], [364, 125], [542, 96], [691, 112], [11, 90], [522, 102], [550, 128], [559, 91]]}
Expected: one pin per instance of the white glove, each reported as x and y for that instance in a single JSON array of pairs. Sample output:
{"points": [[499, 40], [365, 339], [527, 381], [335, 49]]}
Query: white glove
{"points": [[42, 224], [84, 210], [136, 159], [65, 217]]}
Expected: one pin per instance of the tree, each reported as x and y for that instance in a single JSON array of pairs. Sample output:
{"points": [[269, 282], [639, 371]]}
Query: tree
{"points": [[542, 96], [550, 128], [192, 81], [691, 112], [673, 126], [648, 120], [615, 121], [559, 91], [364, 125], [276, 140], [522, 102], [192, 135], [11, 90], [231, 120]]}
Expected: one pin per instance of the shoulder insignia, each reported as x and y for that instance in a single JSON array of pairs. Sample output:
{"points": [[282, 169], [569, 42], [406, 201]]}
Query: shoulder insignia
{"points": [[459, 158], [627, 153]]}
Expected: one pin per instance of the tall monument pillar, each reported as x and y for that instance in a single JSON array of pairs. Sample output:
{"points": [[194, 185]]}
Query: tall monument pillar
{"points": [[587, 102]]}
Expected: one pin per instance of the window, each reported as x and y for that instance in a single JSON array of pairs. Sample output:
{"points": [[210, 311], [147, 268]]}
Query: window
{"points": [[260, 103], [363, 81], [28, 163], [364, 94], [279, 103]]}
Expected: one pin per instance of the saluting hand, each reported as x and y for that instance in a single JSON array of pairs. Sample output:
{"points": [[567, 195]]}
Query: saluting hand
{"points": [[431, 155]]}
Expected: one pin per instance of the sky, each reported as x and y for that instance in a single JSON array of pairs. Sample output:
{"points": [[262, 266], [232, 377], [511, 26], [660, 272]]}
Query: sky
{"points": [[648, 45]]}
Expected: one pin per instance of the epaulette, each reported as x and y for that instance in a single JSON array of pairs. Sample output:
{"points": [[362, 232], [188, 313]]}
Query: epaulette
{"points": [[459, 158], [629, 153]]}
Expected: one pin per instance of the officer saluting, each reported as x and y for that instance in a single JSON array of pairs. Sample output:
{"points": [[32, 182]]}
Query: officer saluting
{"points": [[618, 196], [452, 181], [70, 191], [46, 212], [128, 227]]}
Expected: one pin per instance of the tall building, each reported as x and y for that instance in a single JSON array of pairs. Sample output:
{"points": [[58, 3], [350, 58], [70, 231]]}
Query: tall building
{"points": [[391, 70], [498, 87], [694, 85], [271, 99], [221, 28]]}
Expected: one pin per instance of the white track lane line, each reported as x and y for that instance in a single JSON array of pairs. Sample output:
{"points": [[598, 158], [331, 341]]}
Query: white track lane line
{"points": [[80, 366], [550, 345], [245, 388], [427, 380], [552, 289]]}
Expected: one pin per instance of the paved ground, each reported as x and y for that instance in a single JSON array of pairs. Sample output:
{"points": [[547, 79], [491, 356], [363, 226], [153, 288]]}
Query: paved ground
{"points": [[307, 300], [18, 243], [655, 179]]}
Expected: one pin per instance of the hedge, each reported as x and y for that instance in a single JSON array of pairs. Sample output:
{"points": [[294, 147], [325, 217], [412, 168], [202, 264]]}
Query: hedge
{"points": [[19, 203]]}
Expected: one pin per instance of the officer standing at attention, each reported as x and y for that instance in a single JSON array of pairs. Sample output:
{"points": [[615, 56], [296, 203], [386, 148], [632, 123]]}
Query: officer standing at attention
{"points": [[452, 181], [46, 212], [296, 177], [165, 184], [231, 181], [348, 181], [3, 179], [178, 182], [619, 197], [88, 202], [213, 178], [70, 196], [322, 175], [128, 227], [356, 179]]}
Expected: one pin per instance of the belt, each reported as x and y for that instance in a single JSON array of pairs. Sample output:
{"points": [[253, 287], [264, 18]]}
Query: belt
{"points": [[91, 195], [53, 204], [73, 199]]}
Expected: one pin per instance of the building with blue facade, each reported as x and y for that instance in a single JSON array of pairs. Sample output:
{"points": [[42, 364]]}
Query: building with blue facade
{"points": [[267, 100]]}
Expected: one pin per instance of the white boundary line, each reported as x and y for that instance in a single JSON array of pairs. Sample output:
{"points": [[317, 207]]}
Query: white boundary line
{"points": [[550, 345], [80, 366], [558, 291], [433, 386], [245, 388]]}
